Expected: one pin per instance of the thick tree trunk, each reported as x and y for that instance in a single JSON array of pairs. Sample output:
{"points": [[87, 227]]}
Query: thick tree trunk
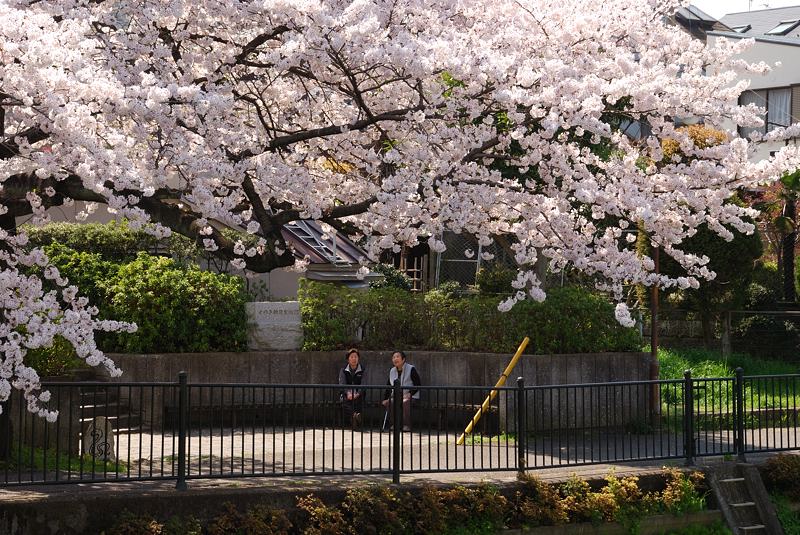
{"points": [[7, 223], [6, 431], [787, 252], [707, 325]]}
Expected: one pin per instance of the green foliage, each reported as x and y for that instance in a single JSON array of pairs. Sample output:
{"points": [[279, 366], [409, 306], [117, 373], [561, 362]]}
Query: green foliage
{"points": [[131, 524], [475, 510], [682, 494], [176, 308], [111, 241], [178, 525], [538, 504], [495, 280], [57, 360], [782, 473], [717, 528], [448, 289], [708, 363], [321, 519], [765, 287], [258, 520], [788, 516], [571, 320], [392, 278], [88, 271], [454, 510], [372, 510], [117, 242], [734, 263], [620, 500], [26, 457]]}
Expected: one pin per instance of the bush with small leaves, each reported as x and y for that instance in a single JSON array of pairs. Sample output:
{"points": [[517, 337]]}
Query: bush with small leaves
{"points": [[321, 519]]}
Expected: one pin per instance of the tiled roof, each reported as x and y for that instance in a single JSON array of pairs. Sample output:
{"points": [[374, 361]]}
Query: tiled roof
{"points": [[764, 20], [308, 239]]}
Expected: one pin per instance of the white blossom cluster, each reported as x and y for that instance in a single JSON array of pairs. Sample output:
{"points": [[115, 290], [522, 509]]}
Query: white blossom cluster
{"points": [[402, 119]]}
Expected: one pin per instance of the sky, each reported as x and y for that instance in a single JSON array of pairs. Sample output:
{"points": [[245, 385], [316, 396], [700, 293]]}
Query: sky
{"points": [[718, 8]]}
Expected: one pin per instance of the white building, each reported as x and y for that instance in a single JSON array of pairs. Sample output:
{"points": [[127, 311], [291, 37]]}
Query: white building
{"points": [[777, 39]]}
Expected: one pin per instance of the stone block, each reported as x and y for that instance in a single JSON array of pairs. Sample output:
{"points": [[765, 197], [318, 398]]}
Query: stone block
{"points": [[274, 326]]}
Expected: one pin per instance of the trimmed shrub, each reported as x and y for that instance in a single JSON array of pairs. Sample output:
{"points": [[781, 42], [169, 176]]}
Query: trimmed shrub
{"points": [[111, 241], [782, 474], [115, 241], [571, 320], [176, 308]]}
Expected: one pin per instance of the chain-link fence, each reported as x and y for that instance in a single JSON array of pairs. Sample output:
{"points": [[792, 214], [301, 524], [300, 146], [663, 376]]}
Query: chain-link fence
{"points": [[765, 333], [464, 257]]}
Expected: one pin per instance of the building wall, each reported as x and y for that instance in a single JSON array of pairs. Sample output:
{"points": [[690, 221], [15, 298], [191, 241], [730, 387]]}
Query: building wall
{"points": [[785, 75]]}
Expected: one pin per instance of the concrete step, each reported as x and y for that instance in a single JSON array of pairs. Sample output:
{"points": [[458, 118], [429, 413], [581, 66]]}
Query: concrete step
{"points": [[755, 528]]}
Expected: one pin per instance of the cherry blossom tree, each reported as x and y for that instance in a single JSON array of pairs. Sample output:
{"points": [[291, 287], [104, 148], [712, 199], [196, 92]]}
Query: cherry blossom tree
{"points": [[392, 120]]}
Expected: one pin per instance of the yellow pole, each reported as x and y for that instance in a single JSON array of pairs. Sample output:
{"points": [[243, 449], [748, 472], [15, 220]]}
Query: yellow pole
{"points": [[493, 393]]}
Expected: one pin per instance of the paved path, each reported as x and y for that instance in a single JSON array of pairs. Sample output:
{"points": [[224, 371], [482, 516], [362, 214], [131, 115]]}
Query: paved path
{"points": [[236, 452]]}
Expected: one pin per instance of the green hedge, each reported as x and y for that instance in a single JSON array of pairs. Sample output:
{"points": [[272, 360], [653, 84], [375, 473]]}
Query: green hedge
{"points": [[176, 308], [112, 241], [571, 320]]}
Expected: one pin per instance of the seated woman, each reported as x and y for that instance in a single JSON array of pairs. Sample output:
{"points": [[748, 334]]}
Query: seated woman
{"points": [[352, 398]]}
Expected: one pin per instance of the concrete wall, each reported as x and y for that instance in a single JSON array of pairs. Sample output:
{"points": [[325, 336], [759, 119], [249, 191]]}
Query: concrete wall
{"points": [[563, 408], [435, 368]]}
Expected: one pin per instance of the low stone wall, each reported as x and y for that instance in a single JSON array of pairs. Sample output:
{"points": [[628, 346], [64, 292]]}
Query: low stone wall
{"points": [[435, 367], [564, 408]]}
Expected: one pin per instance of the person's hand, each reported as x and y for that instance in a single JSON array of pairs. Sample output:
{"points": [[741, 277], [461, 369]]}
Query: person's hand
{"points": [[349, 395], [406, 397], [385, 403], [356, 394]]}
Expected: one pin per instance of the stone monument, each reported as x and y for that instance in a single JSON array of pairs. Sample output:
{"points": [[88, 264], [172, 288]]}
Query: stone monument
{"points": [[98, 439], [274, 326]]}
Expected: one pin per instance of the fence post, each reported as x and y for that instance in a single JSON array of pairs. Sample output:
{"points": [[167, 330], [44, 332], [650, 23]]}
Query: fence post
{"points": [[183, 397], [397, 423], [688, 417], [738, 397], [521, 427]]}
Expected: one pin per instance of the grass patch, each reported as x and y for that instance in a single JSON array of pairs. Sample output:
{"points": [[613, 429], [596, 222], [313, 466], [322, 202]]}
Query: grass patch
{"points": [[789, 517], [510, 438], [717, 528], [708, 363], [38, 459], [761, 396]]}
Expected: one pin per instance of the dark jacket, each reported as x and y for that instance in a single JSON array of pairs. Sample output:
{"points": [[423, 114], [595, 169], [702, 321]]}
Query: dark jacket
{"points": [[350, 377]]}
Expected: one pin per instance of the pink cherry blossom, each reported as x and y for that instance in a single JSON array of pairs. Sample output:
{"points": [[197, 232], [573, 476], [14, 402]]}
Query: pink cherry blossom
{"points": [[383, 117]]}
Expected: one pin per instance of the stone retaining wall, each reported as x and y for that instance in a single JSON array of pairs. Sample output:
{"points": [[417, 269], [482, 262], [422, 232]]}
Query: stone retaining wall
{"points": [[570, 408]]}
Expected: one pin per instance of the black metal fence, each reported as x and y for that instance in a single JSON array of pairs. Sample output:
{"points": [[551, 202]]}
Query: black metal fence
{"points": [[182, 431]]}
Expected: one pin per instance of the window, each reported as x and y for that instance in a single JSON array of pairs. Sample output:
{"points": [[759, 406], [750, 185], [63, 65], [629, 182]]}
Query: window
{"points": [[778, 104], [742, 29], [784, 27]]}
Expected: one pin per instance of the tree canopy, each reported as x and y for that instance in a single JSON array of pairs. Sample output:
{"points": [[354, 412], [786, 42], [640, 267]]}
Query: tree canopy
{"points": [[393, 120]]}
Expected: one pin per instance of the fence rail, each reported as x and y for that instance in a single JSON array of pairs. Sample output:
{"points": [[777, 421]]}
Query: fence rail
{"points": [[182, 431]]}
